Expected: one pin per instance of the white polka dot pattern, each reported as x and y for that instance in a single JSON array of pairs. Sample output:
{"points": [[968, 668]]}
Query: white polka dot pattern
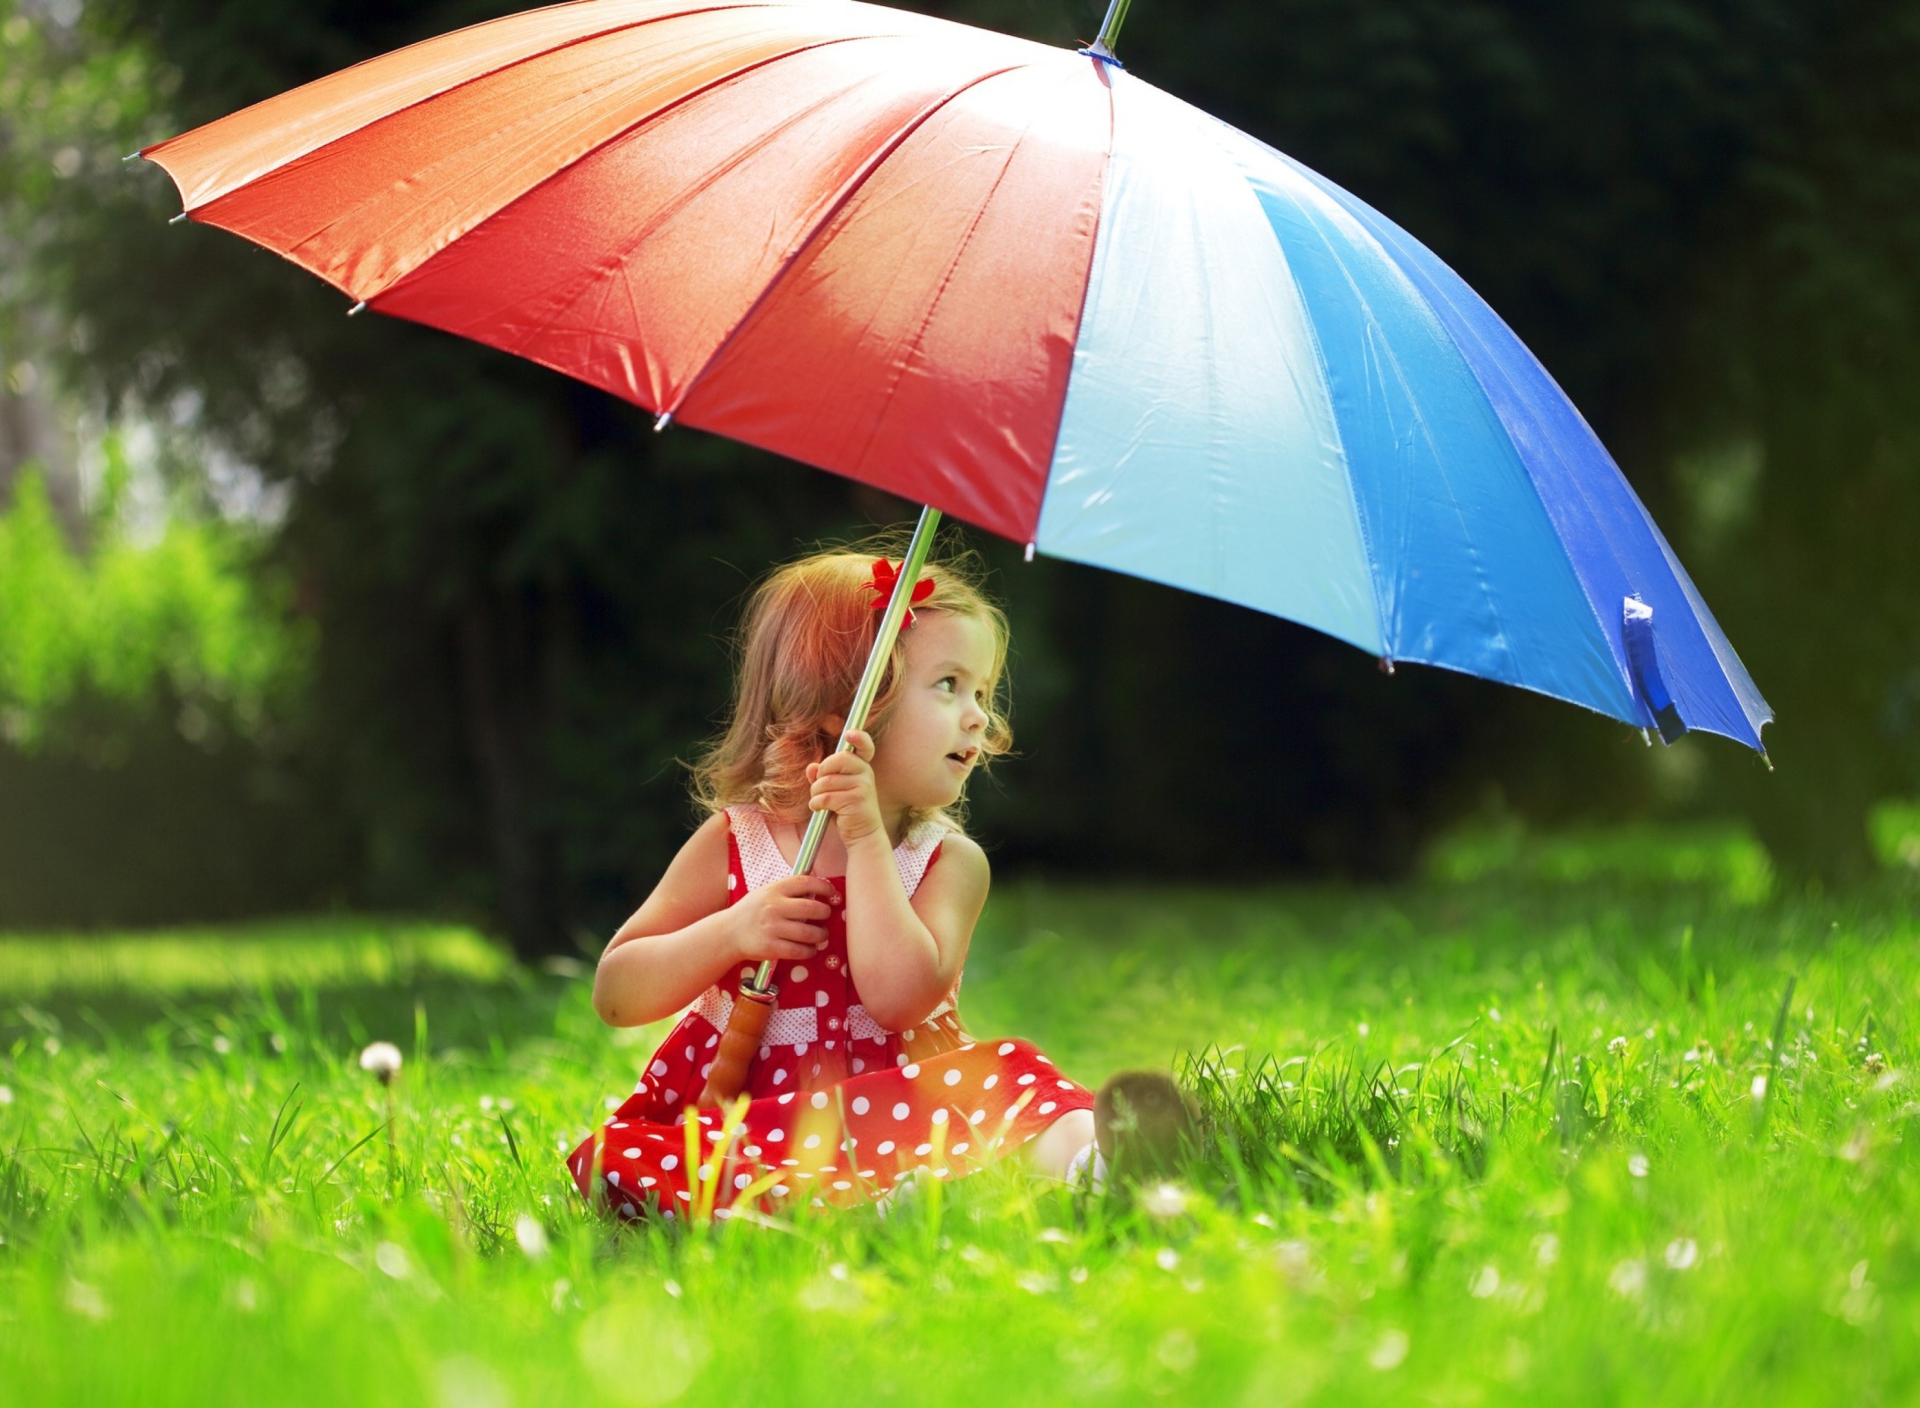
{"points": [[880, 1092]]}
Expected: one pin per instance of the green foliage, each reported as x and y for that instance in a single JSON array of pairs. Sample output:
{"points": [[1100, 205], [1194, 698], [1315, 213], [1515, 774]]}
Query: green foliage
{"points": [[1698, 212], [1722, 855], [1895, 828], [1512, 1129], [310, 954], [191, 617]]}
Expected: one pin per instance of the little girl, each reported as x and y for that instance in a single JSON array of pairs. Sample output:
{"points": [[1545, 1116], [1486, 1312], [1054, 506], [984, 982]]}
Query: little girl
{"points": [[866, 1074]]}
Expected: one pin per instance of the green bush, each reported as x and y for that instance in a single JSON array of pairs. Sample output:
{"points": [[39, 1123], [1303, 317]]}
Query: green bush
{"points": [[189, 617]]}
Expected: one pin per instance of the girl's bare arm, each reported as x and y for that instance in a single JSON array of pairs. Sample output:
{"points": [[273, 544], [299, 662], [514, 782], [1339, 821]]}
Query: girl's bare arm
{"points": [[907, 954], [686, 937]]}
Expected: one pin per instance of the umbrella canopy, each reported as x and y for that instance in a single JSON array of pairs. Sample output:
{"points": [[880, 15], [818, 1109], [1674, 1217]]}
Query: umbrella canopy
{"points": [[1009, 281]]}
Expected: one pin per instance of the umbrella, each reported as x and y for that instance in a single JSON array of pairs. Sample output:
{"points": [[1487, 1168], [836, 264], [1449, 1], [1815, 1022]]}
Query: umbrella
{"points": [[1012, 282]]}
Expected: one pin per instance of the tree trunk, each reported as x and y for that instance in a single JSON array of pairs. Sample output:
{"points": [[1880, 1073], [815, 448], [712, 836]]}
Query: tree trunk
{"points": [[502, 727]]}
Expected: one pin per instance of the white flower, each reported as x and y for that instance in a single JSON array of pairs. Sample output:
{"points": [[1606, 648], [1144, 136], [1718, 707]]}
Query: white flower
{"points": [[6, 1095], [83, 1299], [392, 1259], [1617, 1047], [531, 1236], [1637, 1165], [1759, 1087], [1164, 1200], [1682, 1253], [1166, 1258], [382, 1059], [1629, 1278], [1485, 1282], [1390, 1351]]}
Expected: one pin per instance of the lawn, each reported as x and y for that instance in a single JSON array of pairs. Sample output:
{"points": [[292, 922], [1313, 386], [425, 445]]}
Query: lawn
{"points": [[1519, 1132]]}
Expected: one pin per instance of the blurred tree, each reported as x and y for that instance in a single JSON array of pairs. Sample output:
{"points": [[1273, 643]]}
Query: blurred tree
{"points": [[1799, 408], [518, 591]]}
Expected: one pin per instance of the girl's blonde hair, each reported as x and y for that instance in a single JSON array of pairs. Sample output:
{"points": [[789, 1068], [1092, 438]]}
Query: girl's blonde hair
{"points": [[800, 649]]}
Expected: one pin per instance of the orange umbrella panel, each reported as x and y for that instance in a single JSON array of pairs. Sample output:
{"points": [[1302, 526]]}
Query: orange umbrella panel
{"points": [[853, 236]]}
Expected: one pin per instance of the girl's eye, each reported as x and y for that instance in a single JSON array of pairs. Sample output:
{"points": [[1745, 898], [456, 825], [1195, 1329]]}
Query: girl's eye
{"points": [[948, 684]]}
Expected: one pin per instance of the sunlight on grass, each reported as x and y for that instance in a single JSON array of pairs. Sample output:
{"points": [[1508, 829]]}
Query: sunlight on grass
{"points": [[318, 953], [1627, 1138]]}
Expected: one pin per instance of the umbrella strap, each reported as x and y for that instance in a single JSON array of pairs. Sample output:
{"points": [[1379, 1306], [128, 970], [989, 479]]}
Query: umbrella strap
{"points": [[1643, 659]]}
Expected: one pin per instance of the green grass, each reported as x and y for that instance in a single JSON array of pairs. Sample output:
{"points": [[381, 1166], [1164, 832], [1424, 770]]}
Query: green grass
{"points": [[1518, 1133]]}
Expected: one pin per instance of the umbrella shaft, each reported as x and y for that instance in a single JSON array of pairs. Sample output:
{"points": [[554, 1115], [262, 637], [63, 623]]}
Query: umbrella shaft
{"points": [[869, 687], [1110, 26]]}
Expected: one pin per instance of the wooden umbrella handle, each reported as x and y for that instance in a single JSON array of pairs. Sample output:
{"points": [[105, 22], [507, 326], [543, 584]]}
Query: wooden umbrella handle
{"points": [[727, 1076]]}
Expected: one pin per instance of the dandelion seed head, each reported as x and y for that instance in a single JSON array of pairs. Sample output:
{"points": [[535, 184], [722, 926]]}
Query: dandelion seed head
{"points": [[381, 1059]]}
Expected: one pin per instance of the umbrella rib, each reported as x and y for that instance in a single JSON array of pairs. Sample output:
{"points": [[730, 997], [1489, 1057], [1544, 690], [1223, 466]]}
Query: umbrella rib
{"points": [[946, 279], [834, 207], [639, 236], [151, 153], [1390, 364], [623, 134], [1390, 248]]}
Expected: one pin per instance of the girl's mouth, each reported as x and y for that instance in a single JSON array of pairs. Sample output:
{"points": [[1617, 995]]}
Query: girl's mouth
{"points": [[964, 757]]}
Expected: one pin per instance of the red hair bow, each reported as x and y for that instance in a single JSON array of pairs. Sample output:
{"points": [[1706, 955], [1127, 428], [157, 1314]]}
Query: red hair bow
{"points": [[885, 574]]}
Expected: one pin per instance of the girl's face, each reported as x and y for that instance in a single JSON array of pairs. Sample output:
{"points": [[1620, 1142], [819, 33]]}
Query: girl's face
{"points": [[933, 733]]}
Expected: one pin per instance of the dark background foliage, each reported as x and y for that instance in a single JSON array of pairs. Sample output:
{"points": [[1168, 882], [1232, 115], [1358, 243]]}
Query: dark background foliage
{"points": [[1703, 215]]}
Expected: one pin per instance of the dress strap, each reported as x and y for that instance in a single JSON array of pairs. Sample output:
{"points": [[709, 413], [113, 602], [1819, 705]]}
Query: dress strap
{"points": [[915, 853], [760, 860]]}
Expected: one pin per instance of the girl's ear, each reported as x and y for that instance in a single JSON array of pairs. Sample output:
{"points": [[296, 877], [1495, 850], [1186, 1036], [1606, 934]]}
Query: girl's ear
{"points": [[833, 723]]}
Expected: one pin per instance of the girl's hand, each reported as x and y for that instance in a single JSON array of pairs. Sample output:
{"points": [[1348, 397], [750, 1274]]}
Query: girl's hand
{"points": [[784, 920], [843, 784]]}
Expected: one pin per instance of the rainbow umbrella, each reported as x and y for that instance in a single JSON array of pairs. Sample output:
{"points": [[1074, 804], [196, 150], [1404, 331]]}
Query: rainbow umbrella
{"points": [[1011, 282]]}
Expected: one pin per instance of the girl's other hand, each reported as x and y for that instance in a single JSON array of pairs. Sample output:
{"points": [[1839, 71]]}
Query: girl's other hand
{"points": [[843, 784], [783, 920]]}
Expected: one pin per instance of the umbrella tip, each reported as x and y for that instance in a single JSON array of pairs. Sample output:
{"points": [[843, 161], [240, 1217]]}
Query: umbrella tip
{"points": [[131, 156], [1029, 552], [357, 309], [178, 218], [1386, 664], [664, 420]]}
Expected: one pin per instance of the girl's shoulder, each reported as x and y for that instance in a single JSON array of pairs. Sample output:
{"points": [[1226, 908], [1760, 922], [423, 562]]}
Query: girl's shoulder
{"points": [[960, 859]]}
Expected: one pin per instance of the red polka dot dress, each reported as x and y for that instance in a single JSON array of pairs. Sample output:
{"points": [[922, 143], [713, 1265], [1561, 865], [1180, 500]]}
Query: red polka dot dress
{"points": [[840, 1109]]}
